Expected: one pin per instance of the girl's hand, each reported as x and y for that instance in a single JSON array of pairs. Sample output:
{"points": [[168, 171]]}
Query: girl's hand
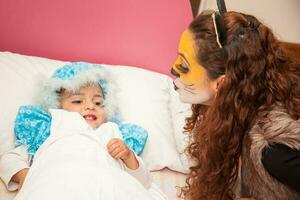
{"points": [[19, 177], [118, 150]]}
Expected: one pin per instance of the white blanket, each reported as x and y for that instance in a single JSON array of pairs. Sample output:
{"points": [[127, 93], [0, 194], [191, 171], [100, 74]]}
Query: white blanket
{"points": [[73, 164]]}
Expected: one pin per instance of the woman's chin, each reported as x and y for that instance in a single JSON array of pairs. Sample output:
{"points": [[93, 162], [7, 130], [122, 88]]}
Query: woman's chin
{"points": [[190, 98]]}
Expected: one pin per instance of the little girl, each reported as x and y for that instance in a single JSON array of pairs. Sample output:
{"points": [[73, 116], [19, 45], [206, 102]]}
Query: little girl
{"points": [[76, 148]]}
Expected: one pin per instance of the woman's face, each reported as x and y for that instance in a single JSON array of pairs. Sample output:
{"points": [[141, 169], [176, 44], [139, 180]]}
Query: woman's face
{"points": [[192, 82]]}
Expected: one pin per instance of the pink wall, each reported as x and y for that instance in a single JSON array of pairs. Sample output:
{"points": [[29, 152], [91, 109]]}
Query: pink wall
{"points": [[141, 33]]}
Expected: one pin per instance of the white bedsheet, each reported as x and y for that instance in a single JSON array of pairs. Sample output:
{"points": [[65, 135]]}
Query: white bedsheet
{"points": [[74, 164]]}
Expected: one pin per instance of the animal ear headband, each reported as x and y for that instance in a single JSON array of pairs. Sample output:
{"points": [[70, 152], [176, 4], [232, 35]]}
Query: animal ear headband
{"points": [[219, 25]]}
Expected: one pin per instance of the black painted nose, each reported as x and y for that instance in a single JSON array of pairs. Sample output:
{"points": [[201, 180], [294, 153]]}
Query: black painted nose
{"points": [[175, 73]]}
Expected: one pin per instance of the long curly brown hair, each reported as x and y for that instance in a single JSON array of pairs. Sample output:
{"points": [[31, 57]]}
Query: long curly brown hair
{"points": [[258, 74]]}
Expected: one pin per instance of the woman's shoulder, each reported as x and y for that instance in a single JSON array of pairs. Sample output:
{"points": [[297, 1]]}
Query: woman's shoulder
{"points": [[275, 119], [277, 126]]}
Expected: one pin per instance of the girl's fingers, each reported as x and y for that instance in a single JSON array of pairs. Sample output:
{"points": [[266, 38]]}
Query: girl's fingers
{"points": [[113, 141], [115, 151], [115, 145], [121, 154], [112, 148]]}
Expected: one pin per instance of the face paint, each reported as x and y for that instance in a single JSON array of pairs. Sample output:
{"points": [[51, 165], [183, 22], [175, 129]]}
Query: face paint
{"points": [[192, 84], [187, 96], [187, 59]]}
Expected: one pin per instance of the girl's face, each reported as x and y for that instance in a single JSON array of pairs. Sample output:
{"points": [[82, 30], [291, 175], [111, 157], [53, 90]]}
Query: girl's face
{"points": [[192, 82], [88, 102]]}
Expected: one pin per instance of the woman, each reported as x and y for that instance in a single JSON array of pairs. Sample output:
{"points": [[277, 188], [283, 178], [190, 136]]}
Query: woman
{"points": [[245, 93]]}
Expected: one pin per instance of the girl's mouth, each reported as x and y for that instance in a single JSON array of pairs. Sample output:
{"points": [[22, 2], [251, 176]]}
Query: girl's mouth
{"points": [[90, 117]]}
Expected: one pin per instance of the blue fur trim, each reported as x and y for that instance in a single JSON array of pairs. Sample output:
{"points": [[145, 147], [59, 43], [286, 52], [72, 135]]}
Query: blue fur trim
{"points": [[74, 75]]}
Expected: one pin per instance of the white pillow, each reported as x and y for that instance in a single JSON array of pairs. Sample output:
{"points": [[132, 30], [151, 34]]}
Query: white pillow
{"points": [[179, 112], [146, 98], [19, 77]]}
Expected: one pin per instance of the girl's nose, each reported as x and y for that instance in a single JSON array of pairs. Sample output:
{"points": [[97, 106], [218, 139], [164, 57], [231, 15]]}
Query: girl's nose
{"points": [[89, 105]]}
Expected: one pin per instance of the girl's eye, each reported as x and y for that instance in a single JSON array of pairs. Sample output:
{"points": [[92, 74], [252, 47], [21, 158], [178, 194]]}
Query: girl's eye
{"points": [[76, 102], [99, 103], [182, 68]]}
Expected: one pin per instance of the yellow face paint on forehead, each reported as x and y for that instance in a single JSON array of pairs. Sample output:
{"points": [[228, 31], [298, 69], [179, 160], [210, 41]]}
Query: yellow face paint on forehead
{"points": [[187, 59]]}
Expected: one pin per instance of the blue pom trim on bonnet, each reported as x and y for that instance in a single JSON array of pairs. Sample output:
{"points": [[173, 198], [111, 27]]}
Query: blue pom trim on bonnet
{"points": [[74, 75]]}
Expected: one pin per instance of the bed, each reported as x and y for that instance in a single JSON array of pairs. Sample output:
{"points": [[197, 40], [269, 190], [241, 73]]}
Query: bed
{"points": [[143, 93], [167, 180], [137, 40]]}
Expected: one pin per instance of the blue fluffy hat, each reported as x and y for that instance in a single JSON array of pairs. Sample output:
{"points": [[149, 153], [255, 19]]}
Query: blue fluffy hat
{"points": [[74, 75]]}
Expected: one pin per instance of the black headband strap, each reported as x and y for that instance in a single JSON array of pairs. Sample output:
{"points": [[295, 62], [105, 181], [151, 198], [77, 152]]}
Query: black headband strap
{"points": [[221, 7]]}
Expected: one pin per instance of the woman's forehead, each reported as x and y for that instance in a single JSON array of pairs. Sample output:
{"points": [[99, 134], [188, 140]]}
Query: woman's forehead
{"points": [[186, 44]]}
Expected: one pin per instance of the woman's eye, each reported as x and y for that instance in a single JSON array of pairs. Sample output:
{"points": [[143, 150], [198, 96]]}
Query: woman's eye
{"points": [[182, 68]]}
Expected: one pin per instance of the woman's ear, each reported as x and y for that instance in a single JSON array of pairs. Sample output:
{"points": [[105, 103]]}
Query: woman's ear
{"points": [[219, 82]]}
